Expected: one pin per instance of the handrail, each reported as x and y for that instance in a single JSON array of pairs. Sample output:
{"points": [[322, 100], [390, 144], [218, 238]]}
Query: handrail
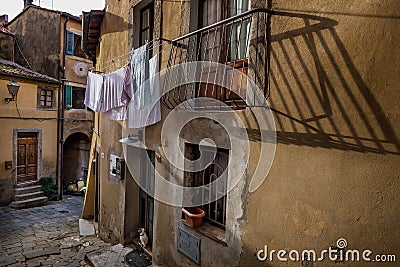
{"points": [[257, 10], [237, 41]]}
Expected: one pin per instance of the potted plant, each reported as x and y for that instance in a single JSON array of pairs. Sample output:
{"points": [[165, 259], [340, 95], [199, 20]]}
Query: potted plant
{"points": [[193, 216]]}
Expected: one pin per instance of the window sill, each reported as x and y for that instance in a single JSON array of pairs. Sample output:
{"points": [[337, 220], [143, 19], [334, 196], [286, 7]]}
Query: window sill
{"points": [[210, 231], [76, 109], [78, 58], [49, 109]]}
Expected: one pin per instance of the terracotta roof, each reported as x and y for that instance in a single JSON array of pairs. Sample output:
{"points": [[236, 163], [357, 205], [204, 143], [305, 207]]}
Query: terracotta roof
{"points": [[13, 69]]}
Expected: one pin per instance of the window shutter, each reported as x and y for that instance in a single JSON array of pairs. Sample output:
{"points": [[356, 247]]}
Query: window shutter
{"points": [[69, 49], [68, 96]]}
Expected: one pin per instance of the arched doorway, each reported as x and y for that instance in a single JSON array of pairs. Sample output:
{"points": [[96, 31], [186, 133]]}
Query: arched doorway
{"points": [[76, 152]]}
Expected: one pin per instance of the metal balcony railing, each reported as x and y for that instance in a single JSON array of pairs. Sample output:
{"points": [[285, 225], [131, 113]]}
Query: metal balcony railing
{"points": [[239, 46]]}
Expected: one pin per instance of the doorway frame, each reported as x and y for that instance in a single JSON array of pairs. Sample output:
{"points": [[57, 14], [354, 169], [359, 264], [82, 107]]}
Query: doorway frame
{"points": [[38, 131]]}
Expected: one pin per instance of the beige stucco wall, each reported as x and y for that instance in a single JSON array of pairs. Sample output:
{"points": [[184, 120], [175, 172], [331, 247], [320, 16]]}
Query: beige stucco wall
{"points": [[335, 92], [335, 174], [112, 191], [75, 67], [9, 120], [77, 120]]}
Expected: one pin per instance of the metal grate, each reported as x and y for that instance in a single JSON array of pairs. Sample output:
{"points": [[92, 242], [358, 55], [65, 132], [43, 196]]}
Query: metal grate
{"points": [[238, 44], [189, 245]]}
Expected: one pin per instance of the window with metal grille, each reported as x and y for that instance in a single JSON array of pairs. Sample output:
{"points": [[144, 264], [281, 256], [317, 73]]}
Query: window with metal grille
{"points": [[46, 98], [215, 210]]}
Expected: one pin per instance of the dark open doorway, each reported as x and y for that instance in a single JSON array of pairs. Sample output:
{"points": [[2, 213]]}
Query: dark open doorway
{"points": [[75, 157]]}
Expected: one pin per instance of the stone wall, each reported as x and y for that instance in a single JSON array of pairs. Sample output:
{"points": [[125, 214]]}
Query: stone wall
{"points": [[6, 46], [41, 53]]}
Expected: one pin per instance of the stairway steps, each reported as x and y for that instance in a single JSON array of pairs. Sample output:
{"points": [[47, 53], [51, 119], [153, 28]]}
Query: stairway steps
{"points": [[29, 196], [28, 183], [29, 203], [28, 189]]}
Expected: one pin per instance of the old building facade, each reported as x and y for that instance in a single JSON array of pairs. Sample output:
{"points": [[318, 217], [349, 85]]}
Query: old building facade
{"points": [[28, 127], [332, 93], [49, 42]]}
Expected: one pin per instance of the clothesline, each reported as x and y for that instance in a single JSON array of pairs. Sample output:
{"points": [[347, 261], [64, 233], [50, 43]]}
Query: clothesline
{"points": [[151, 46], [125, 59]]}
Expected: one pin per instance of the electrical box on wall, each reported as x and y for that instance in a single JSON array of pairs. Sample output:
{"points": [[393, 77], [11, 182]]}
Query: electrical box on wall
{"points": [[117, 166], [189, 245]]}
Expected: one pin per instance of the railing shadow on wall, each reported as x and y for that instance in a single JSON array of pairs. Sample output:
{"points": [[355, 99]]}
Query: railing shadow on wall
{"points": [[318, 96]]}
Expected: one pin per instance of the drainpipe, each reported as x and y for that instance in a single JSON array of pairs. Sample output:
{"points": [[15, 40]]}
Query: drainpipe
{"points": [[60, 187], [58, 138]]}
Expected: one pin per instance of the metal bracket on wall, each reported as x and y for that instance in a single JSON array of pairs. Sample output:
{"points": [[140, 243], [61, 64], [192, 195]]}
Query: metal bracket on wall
{"points": [[8, 164]]}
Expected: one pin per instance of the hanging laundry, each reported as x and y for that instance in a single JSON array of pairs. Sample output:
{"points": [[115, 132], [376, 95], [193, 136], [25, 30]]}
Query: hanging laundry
{"points": [[140, 71], [127, 89], [112, 105], [149, 113], [94, 90], [116, 114]]}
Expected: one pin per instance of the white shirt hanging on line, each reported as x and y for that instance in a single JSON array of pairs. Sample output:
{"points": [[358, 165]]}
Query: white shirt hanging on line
{"points": [[94, 91], [112, 105], [150, 112]]}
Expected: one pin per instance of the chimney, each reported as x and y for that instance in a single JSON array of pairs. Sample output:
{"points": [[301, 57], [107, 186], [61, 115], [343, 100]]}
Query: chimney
{"points": [[3, 19], [27, 3]]}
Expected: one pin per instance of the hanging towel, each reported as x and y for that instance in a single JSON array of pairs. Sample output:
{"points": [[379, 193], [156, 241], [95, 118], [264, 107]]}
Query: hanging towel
{"points": [[94, 91], [116, 114], [112, 91], [128, 87], [140, 71], [150, 113]]}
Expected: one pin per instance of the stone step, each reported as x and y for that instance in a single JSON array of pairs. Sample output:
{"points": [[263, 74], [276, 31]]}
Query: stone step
{"points": [[28, 189], [27, 183], [29, 203], [29, 196]]}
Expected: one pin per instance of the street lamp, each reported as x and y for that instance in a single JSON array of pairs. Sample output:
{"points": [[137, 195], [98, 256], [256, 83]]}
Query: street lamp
{"points": [[128, 140], [13, 88]]}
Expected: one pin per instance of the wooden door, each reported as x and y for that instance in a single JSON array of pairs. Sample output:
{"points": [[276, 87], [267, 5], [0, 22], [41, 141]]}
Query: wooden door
{"points": [[27, 158]]}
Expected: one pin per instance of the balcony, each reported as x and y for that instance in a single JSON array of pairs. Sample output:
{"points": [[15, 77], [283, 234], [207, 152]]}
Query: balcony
{"points": [[234, 69]]}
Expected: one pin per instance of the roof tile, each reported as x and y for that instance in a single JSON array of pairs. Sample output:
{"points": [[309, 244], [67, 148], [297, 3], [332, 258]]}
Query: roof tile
{"points": [[13, 69]]}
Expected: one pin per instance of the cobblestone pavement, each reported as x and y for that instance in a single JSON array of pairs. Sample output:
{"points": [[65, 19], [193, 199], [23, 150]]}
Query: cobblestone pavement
{"points": [[45, 236]]}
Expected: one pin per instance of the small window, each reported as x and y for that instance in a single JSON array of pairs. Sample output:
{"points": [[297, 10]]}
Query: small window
{"points": [[78, 98], [216, 210], [45, 98], [73, 45], [74, 97]]}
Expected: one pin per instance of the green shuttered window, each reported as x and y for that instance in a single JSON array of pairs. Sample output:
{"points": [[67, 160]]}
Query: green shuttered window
{"points": [[68, 96], [69, 49]]}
